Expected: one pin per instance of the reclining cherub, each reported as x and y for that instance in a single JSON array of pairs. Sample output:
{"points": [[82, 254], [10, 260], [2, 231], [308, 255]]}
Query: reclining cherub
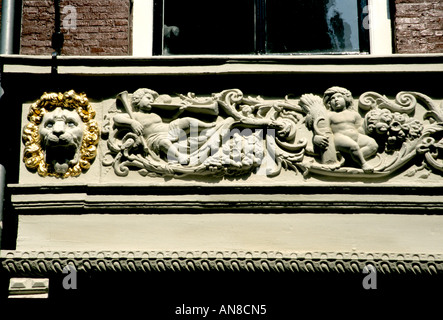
{"points": [[157, 136], [339, 127]]}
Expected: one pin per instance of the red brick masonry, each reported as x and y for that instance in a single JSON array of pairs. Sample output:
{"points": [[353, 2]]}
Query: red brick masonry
{"points": [[419, 26], [102, 27]]}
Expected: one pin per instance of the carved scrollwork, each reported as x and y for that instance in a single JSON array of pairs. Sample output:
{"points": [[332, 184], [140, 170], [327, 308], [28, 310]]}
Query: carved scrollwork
{"points": [[224, 135], [61, 136], [230, 134], [403, 137], [18, 263], [405, 102], [381, 138]]}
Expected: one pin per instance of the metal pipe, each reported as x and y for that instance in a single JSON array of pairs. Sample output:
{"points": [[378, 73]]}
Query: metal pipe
{"points": [[7, 35], [2, 196], [57, 38]]}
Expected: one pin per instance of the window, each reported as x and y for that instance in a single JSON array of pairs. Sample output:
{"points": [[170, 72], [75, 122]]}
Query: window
{"points": [[260, 26]]}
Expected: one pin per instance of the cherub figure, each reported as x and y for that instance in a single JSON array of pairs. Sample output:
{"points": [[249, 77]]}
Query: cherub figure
{"points": [[157, 136], [339, 127]]}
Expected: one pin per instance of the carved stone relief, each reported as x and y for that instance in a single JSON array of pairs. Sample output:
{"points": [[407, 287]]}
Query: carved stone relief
{"points": [[229, 134], [53, 262], [382, 138], [224, 135], [61, 136]]}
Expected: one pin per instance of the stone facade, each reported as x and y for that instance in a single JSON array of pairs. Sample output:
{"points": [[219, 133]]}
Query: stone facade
{"points": [[132, 221], [318, 174], [101, 27]]}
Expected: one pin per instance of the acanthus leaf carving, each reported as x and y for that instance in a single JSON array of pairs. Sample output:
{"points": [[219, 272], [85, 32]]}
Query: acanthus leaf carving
{"points": [[405, 102]]}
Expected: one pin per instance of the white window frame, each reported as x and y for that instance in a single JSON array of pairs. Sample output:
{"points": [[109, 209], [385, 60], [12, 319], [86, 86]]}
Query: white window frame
{"points": [[142, 28], [380, 27], [380, 30]]}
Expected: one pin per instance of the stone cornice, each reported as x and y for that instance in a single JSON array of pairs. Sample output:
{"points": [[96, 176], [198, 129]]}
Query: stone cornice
{"points": [[341, 199], [215, 59], [228, 64], [19, 263]]}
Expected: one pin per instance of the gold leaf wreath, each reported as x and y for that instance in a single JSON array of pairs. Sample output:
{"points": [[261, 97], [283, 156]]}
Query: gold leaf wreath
{"points": [[34, 158]]}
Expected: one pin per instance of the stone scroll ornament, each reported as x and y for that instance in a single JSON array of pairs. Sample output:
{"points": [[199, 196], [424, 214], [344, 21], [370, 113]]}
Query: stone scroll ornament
{"points": [[379, 139], [226, 134], [61, 136], [229, 134]]}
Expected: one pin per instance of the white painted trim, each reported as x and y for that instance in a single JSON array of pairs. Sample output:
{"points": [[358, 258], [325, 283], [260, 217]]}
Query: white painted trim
{"points": [[238, 68], [380, 31], [142, 27]]}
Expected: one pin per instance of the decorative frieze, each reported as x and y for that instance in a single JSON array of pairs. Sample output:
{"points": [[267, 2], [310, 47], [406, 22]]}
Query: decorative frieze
{"points": [[224, 135], [229, 134], [47, 263]]}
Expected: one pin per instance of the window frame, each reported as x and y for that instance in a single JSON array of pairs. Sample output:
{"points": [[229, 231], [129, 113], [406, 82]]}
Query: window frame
{"points": [[375, 39]]}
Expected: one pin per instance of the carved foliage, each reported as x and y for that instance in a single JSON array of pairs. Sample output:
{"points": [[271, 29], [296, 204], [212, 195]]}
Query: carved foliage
{"points": [[381, 137], [229, 134], [224, 135], [61, 136], [402, 134]]}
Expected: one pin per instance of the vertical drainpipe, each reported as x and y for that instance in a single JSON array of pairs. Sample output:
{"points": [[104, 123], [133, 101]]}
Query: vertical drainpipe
{"points": [[57, 38], [7, 35], [2, 196], [6, 47]]}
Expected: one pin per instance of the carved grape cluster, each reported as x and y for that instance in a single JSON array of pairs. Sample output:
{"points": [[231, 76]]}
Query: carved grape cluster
{"points": [[392, 128]]}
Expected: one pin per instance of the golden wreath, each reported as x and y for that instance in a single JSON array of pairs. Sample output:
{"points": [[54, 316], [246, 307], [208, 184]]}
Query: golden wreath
{"points": [[34, 157]]}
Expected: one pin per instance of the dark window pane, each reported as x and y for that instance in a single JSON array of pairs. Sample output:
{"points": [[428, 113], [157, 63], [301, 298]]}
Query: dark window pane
{"points": [[312, 26], [208, 27]]}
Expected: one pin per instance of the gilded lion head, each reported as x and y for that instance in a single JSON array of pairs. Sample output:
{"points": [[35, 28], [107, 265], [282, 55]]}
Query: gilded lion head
{"points": [[61, 137]]}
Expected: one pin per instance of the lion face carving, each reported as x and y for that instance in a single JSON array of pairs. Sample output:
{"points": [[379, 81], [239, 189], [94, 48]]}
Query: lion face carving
{"points": [[61, 134], [61, 137]]}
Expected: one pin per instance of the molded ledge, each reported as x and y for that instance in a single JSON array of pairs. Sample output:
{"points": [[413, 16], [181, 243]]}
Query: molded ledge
{"points": [[81, 199], [204, 65], [52, 262]]}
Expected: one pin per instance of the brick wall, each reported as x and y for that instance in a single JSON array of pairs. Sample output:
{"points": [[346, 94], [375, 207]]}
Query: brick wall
{"points": [[102, 27], [419, 26]]}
